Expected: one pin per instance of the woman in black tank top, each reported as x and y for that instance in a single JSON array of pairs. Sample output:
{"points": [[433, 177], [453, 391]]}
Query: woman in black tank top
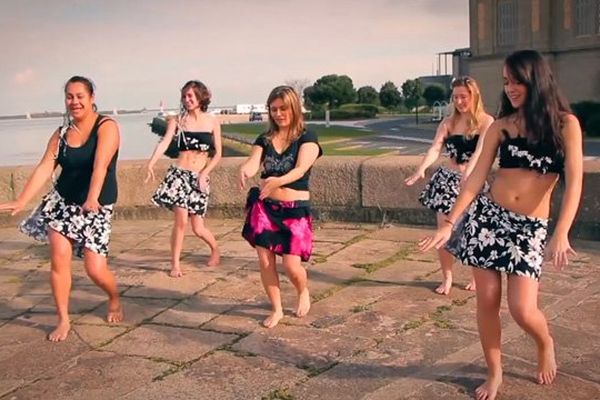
{"points": [[75, 216]]}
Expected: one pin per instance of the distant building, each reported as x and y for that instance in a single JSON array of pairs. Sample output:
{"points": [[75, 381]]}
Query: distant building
{"points": [[567, 32]]}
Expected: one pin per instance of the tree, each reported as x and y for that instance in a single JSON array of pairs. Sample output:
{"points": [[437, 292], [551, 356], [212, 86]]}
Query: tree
{"points": [[433, 93], [389, 96], [298, 85], [368, 95], [412, 92], [332, 90]]}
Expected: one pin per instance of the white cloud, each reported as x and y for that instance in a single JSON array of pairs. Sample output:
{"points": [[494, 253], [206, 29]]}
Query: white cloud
{"points": [[24, 77]]}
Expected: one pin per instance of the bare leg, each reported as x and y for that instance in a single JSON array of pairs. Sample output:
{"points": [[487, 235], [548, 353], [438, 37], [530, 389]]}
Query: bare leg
{"points": [[446, 261], [203, 233], [61, 251], [471, 286], [177, 235], [522, 295], [489, 292], [270, 281], [299, 278], [96, 267]]}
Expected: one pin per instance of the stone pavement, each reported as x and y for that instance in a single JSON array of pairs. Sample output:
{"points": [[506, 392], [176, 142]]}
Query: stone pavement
{"points": [[376, 329]]}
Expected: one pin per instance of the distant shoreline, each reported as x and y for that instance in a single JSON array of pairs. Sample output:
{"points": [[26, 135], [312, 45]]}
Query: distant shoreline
{"points": [[56, 114]]}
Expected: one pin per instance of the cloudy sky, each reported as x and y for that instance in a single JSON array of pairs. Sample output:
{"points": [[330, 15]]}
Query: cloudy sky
{"points": [[141, 51]]}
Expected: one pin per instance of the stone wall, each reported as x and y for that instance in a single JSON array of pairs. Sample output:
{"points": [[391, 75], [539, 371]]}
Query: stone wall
{"points": [[369, 189]]}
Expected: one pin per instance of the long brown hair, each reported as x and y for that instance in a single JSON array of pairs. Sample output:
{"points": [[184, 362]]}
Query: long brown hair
{"points": [[476, 109], [544, 103], [292, 100]]}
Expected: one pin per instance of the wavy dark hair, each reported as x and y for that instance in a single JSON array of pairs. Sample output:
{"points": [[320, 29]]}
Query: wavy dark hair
{"points": [[544, 105], [202, 93]]}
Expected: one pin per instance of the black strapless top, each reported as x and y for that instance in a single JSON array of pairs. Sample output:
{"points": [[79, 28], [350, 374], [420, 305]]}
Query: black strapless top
{"points": [[460, 148]]}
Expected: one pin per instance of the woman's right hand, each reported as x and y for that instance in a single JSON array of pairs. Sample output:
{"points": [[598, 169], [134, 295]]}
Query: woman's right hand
{"points": [[13, 207], [149, 173], [414, 177], [438, 240], [243, 177]]}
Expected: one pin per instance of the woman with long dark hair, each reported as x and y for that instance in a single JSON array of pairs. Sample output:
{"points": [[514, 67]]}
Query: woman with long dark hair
{"points": [[460, 133], [505, 231], [185, 188], [76, 214], [279, 220]]}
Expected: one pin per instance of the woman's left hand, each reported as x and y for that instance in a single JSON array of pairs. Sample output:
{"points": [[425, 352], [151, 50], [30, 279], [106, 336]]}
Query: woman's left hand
{"points": [[559, 249], [267, 186], [203, 181], [91, 205]]}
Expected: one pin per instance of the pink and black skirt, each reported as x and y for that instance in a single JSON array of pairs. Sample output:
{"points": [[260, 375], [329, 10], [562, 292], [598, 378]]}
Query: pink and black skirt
{"points": [[283, 227]]}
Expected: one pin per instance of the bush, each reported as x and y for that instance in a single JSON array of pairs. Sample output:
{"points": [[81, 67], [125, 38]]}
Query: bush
{"points": [[593, 126], [370, 108], [585, 111]]}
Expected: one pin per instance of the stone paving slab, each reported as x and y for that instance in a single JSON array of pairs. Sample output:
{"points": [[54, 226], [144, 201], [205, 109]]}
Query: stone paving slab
{"points": [[376, 329]]}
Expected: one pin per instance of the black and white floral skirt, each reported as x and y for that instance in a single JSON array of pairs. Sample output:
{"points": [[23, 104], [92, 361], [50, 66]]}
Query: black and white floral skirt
{"points": [[180, 189], [86, 230], [490, 236], [441, 191]]}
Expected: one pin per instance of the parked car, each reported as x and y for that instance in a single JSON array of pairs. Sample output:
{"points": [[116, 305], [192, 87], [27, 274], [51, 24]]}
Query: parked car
{"points": [[255, 116]]}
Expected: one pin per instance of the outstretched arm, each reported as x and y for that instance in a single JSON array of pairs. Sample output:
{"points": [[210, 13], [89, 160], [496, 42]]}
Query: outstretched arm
{"points": [[108, 144], [250, 167], [487, 122], [558, 246], [41, 174], [160, 148], [432, 154]]}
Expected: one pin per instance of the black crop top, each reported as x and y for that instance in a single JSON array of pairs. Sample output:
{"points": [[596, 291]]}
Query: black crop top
{"points": [[201, 141], [275, 164], [77, 165], [515, 152], [460, 148]]}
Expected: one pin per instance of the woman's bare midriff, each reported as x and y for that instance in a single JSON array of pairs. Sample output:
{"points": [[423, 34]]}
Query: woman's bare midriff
{"points": [[192, 160], [287, 194], [523, 191]]}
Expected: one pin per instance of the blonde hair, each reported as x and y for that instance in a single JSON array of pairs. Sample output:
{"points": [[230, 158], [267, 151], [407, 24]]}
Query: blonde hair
{"points": [[476, 109], [291, 99]]}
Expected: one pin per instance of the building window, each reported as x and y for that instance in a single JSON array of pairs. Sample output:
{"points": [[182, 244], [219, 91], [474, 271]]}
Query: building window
{"points": [[587, 16], [507, 23]]}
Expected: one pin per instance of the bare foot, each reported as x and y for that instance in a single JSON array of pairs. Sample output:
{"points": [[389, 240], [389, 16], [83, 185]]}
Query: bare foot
{"points": [[61, 332], [115, 312], [471, 286], [303, 303], [489, 389], [176, 273], [272, 320], [444, 287], [214, 259], [546, 364]]}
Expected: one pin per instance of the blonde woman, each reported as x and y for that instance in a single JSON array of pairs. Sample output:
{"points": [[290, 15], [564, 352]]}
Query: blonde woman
{"points": [[459, 134], [279, 220]]}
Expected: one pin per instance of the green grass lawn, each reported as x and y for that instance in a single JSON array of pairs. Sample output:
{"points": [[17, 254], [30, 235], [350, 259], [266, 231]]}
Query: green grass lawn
{"points": [[334, 132]]}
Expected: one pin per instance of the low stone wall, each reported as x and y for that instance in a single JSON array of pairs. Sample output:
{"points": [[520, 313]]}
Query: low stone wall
{"points": [[368, 189]]}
